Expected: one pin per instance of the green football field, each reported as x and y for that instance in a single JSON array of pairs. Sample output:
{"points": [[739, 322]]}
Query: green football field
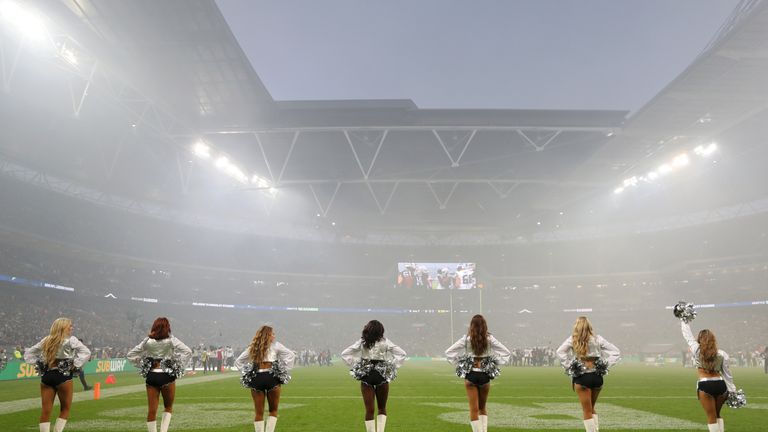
{"points": [[426, 396]]}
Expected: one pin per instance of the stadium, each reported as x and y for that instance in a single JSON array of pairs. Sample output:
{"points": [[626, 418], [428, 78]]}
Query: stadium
{"points": [[231, 165]]}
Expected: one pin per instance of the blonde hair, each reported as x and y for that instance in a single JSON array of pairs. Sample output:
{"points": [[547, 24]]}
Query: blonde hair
{"points": [[60, 330], [260, 344], [707, 350], [582, 332]]}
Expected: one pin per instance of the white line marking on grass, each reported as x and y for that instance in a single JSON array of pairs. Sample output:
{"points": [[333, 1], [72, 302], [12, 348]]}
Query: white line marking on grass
{"points": [[194, 416], [547, 416], [31, 403]]}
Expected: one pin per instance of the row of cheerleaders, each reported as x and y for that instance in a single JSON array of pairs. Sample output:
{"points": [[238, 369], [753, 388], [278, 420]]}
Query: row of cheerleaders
{"points": [[374, 360]]}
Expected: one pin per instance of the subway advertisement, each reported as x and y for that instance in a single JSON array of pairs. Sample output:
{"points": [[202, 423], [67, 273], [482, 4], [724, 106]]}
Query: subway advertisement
{"points": [[16, 369]]}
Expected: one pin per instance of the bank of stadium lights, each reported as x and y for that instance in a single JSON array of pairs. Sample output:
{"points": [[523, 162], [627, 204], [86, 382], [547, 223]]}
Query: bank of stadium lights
{"points": [[224, 164], [25, 21], [678, 162]]}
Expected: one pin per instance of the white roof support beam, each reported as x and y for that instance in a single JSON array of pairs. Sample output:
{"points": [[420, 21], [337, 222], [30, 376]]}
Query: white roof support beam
{"points": [[535, 145], [455, 162], [366, 172], [324, 209], [383, 208]]}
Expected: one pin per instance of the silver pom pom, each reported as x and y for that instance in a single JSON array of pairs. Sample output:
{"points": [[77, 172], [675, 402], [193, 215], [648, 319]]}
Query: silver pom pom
{"points": [[736, 399], [684, 311], [173, 367], [42, 367], [247, 375], [280, 372], [464, 366], [360, 369], [387, 369], [576, 369], [601, 367], [65, 366], [145, 366], [490, 365]]}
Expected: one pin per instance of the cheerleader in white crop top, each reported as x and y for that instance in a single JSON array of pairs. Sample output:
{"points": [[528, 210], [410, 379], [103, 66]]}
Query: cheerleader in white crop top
{"points": [[264, 366], [715, 379], [161, 358], [586, 357], [374, 360], [477, 357], [55, 357]]}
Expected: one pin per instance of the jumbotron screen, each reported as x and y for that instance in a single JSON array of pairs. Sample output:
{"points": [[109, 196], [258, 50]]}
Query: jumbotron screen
{"points": [[437, 276]]}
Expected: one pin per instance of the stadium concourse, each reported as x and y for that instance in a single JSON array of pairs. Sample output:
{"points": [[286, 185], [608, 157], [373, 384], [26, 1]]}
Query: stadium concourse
{"points": [[154, 163]]}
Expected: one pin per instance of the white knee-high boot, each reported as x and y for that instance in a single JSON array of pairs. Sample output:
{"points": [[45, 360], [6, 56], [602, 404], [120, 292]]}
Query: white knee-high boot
{"points": [[589, 425], [44, 427], [597, 423], [476, 426], [60, 424], [713, 427], [152, 426], [370, 426], [721, 423], [484, 422], [258, 426], [381, 422]]}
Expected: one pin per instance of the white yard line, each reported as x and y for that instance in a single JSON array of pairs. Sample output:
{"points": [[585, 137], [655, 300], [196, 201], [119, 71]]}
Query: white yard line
{"points": [[27, 404]]}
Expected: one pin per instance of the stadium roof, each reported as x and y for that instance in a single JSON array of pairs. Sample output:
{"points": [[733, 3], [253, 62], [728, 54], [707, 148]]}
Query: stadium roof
{"points": [[154, 78]]}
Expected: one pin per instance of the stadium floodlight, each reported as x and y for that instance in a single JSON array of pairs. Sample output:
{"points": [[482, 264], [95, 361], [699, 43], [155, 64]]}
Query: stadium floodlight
{"points": [[651, 176], [681, 160], [632, 181], [69, 56], [201, 150], [664, 169], [29, 23], [222, 163], [705, 151], [618, 190]]}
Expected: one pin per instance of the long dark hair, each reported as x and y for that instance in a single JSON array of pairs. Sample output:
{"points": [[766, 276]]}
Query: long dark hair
{"points": [[161, 329], [478, 334], [372, 333]]}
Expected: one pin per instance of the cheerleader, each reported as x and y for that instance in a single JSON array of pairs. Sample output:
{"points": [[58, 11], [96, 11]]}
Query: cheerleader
{"points": [[161, 359], [715, 379], [265, 365], [374, 360], [57, 356], [587, 357], [477, 357]]}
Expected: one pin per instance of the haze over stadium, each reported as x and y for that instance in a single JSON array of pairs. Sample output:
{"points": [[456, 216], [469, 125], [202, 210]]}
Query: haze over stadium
{"points": [[313, 166]]}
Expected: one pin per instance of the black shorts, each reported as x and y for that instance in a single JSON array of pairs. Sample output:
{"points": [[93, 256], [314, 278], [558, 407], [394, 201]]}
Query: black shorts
{"points": [[263, 381], [478, 378], [589, 380], [713, 388], [373, 378], [54, 378], [159, 380]]}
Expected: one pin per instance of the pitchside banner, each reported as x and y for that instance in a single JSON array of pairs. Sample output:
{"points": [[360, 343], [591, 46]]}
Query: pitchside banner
{"points": [[19, 370]]}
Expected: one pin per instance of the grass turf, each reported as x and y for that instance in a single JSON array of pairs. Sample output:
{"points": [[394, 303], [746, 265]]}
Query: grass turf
{"points": [[426, 396]]}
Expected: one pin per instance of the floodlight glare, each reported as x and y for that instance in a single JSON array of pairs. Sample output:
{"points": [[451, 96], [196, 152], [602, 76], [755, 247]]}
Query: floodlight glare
{"points": [[27, 22], [222, 163], [680, 160], [653, 175], [664, 169], [69, 56], [201, 150], [705, 151], [618, 190]]}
